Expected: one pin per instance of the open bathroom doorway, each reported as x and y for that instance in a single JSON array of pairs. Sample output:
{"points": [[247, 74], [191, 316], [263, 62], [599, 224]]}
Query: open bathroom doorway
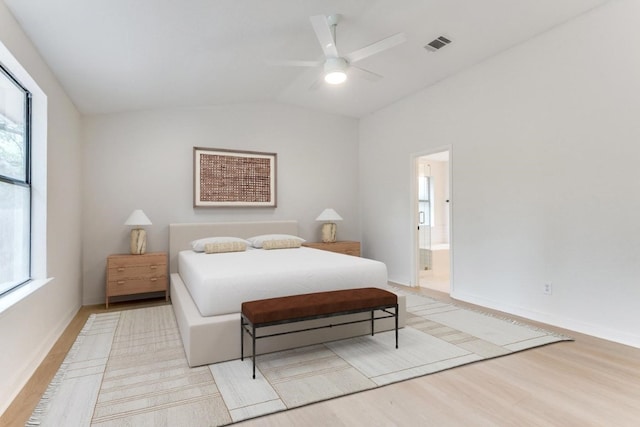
{"points": [[432, 201]]}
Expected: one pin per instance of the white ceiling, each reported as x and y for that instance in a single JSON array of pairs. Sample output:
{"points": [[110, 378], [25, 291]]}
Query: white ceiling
{"points": [[121, 55]]}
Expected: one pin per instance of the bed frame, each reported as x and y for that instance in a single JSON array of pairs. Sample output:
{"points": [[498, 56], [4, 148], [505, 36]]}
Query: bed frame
{"points": [[215, 339]]}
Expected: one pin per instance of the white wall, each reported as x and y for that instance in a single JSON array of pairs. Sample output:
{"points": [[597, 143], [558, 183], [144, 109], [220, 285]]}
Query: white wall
{"points": [[545, 181], [145, 160], [29, 328]]}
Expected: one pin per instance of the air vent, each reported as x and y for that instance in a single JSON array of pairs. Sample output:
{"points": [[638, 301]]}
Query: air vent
{"points": [[437, 44]]}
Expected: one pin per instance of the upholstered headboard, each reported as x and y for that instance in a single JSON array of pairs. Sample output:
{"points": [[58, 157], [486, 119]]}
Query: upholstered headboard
{"points": [[181, 235]]}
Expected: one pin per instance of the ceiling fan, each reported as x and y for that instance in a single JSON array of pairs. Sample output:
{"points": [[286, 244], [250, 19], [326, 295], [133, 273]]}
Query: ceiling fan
{"points": [[336, 65]]}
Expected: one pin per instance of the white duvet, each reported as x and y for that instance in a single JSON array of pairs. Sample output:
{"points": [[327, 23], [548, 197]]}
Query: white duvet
{"points": [[219, 283]]}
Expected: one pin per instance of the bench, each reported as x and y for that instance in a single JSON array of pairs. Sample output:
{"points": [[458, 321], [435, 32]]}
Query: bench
{"points": [[298, 308]]}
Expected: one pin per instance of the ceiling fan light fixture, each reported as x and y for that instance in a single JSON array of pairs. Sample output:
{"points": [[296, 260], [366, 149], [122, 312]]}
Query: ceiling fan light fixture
{"points": [[335, 71], [335, 77]]}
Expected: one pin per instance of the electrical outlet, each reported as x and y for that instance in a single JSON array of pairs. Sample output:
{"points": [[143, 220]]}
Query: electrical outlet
{"points": [[547, 289]]}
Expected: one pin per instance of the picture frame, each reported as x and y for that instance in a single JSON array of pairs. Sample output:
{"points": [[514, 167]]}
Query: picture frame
{"points": [[233, 178]]}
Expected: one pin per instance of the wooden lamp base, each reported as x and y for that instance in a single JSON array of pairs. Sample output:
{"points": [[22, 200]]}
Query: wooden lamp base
{"points": [[138, 241], [329, 232]]}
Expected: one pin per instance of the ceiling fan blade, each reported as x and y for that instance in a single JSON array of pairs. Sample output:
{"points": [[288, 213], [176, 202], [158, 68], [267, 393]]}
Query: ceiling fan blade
{"points": [[361, 73], [376, 47], [293, 63], [324, 35]]}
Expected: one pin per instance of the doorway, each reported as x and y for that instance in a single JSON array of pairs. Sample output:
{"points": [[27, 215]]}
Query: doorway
{"points": [[432, 213]]}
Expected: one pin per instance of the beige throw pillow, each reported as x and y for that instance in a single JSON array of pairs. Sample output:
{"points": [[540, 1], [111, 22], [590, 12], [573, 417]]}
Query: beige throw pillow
{"points": [[221, 247], [281, 244]]}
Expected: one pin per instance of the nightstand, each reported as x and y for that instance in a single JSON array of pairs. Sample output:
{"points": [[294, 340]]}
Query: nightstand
{"points": [[344, 247], [137, 274]]}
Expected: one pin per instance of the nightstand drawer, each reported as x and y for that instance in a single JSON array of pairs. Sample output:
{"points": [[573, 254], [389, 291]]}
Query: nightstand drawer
{"points": [[355, 251], [127, 261], [133, 271], [136, 286]]}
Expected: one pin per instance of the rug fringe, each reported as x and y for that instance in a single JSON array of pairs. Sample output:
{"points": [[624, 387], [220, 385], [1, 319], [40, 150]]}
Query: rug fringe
{"points": [[43, 405], [485, 313]]}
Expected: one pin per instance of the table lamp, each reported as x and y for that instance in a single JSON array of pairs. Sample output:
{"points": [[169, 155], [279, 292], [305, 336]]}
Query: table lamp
{"points": [[138, 235], [329, 216]]}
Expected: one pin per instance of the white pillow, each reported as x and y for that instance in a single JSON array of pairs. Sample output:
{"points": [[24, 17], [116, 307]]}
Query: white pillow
{"points": [[198, 245], [258, 241]]}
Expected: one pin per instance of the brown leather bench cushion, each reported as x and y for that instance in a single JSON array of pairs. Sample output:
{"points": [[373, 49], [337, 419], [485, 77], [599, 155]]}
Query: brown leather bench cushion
{"points": [[316, 304]]}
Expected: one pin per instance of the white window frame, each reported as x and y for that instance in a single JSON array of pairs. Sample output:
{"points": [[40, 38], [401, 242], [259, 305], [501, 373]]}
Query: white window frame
{"points": [[23, 181], [39, 276]]}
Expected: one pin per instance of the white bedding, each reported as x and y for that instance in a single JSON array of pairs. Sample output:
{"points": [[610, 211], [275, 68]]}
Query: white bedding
{"points": [[219, 283]]}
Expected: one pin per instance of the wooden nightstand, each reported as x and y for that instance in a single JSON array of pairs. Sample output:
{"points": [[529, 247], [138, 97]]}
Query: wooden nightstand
{"points": [[137, 274], [344, 247]]}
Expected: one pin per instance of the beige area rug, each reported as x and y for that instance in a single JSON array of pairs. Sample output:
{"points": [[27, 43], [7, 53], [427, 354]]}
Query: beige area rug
{"points": [[129, 368]]}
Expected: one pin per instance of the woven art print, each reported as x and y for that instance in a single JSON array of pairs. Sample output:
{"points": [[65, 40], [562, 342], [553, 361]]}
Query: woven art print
{"points": [[234, 178]]}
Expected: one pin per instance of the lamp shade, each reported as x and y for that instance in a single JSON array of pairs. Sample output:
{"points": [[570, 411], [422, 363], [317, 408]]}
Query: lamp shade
{"points": [[329, 215], [137, 217]]}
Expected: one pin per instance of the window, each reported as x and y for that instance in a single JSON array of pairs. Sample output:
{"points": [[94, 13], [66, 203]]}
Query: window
{"points": [[15, 182]]}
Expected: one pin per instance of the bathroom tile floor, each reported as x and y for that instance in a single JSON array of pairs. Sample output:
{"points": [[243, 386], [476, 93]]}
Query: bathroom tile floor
{"points": [[430, 281]]}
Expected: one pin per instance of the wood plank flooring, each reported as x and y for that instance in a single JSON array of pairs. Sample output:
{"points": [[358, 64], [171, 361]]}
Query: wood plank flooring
{"points": [[589, 382]]}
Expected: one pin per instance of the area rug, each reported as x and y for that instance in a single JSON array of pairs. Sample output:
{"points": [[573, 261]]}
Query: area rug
{"points": [[129, 367]]}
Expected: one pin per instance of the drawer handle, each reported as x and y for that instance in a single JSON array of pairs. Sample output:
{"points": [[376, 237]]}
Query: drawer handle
{"points": [[120, 269], [154, 279], [120, 282], [153, 267]]}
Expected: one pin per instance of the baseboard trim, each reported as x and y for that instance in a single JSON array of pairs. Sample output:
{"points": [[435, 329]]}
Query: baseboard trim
{"points": [[552, 319], [24, 375]]}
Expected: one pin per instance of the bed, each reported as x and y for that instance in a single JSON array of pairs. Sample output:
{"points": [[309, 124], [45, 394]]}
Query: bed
{"points": [[207, 289]]}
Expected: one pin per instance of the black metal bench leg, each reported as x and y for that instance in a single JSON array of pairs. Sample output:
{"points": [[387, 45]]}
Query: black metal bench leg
{"points": [[254, 351], [241, 338], [372, 329], [396, 325]]}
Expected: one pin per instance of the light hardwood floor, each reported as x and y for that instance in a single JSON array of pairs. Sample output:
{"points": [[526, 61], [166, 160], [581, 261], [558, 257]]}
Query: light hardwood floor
{"points": [[588, 382]]}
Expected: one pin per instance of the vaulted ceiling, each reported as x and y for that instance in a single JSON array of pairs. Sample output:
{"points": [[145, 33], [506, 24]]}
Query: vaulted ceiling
{"points": [[122, 55]]}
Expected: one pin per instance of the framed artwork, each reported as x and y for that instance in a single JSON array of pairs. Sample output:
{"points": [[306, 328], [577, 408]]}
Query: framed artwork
{"points": [[233, 178]]}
